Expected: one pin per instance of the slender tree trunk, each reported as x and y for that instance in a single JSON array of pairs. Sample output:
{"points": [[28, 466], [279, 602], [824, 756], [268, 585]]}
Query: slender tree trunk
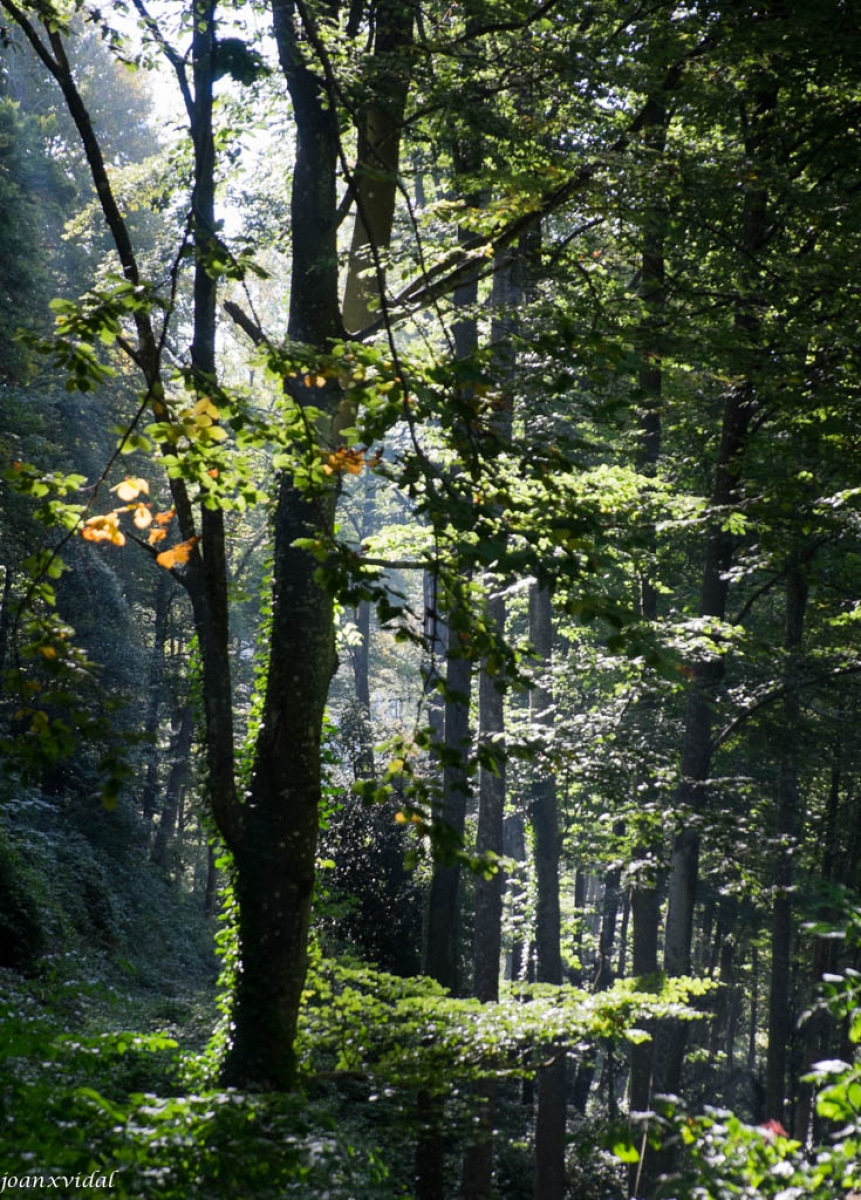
{"points": [[365, 767], [154, 696], [780, 1024], [487, 929], [550, 1122], [609, 918], [210, 899], [645, 909], [179, 769], [622, 963], [644, 902], [5, 615], [441, 947]]}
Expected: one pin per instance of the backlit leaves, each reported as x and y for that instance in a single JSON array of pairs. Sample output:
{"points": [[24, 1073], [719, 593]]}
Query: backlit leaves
{"points": [[131, 488], [104, 528], [349, 460]]}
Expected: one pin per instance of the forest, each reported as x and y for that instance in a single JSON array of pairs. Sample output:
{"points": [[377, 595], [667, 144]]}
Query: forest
{"points": [[430, 587]]}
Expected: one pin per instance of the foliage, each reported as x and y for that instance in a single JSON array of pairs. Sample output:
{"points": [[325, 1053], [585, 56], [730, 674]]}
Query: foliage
{"points": [[726, 1157], [110, 1104]]}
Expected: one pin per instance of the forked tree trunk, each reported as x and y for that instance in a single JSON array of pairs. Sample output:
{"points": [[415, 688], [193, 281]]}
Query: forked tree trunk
{"points": [[272, 831], [275, 856]]}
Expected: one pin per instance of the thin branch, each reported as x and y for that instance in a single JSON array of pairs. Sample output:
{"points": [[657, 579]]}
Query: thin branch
{"points": [[784, 689], [172, 56]]}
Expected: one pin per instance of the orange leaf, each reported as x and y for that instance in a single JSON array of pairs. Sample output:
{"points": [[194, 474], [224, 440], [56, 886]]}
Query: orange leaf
{"points": [[156, 535], [165, 518], [177, 555], [103, 529], [345, 459]]}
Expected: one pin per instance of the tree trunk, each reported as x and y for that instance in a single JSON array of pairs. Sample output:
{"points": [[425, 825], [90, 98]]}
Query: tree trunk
{"points": [[644, 901], [441, 947], [274, 858], [176, 780], [154, 697], [780, 1023], [375, 181], [365, 766], [696, 754], [550, 1122], [487, 928], [210, 899]]}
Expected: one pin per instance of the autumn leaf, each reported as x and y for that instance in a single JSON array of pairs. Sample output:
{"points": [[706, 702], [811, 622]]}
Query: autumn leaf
{"points": [[104, 528], [165, 518], [346, 460], [142, 517], [177, 555], [156, 535], [130, 488]]}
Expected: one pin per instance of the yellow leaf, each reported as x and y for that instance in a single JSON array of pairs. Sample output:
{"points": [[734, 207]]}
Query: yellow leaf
{"points": [[142, 517], [131, 488], [205, 408], [177, 555]]}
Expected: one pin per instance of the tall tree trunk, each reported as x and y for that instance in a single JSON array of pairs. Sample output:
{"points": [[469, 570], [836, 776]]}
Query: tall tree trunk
{"points": [[275, 852], [696, 755], [441, 944], [550, 1122], [645, 902], [487, 927]]}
